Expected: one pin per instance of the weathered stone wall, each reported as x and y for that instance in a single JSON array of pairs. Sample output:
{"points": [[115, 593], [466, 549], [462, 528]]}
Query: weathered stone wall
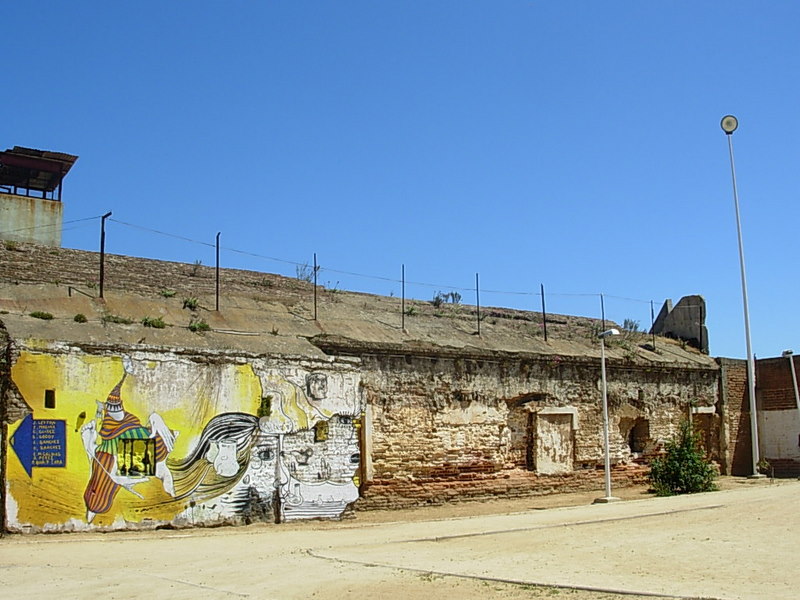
{"points": [[446, 414], [32, 263], [461, 428]]}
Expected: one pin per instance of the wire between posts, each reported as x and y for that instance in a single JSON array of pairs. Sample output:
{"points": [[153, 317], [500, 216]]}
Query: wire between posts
{"points": [[532, 294]]}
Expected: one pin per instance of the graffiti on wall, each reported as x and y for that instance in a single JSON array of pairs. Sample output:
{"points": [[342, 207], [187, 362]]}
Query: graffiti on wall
{"points": [[181, 442]]}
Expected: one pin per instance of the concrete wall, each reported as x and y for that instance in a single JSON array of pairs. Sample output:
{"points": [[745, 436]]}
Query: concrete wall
{"points": [[125, 439], [28, 219], [685, 321]]}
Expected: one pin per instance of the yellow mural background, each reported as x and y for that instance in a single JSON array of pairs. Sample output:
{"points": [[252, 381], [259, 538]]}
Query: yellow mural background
{"points": [[54, 496]]}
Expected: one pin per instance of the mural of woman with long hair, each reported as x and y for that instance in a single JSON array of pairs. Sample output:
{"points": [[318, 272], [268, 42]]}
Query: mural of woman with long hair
{"points": [[220, 458], [232, 447]]}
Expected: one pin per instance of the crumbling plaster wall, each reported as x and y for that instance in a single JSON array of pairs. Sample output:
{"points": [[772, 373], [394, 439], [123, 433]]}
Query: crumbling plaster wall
{"points": [[211, 437], [436, 420]]}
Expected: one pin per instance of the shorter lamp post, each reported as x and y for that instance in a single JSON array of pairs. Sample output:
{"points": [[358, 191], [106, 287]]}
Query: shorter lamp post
{"points": [[788, 354], [608, 497]]}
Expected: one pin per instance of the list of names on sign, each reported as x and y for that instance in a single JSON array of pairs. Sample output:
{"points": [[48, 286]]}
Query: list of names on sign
{"points": [[49, 443]]}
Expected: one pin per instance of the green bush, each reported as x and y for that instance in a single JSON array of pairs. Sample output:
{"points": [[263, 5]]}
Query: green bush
{"points": [[190, 303], [683, 469], [38, 314], [80, 318]]}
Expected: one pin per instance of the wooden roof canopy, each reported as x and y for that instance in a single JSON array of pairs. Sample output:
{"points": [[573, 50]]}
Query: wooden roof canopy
{"points": [[31, 169]]}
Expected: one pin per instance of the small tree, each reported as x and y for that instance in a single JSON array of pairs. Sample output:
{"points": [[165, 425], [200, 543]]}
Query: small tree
{"points": [[683, 469]]}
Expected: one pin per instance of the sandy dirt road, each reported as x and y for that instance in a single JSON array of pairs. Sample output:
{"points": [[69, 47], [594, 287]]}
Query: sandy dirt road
{"points": [[742, 542]]}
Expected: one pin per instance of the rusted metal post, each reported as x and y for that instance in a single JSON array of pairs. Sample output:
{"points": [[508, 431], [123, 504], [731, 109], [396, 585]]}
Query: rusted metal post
{"points": [[653, 324], [103, 249], [544, 313], [217, 274], [403, 297], [602, 313], [478, 301], [315, 286]]}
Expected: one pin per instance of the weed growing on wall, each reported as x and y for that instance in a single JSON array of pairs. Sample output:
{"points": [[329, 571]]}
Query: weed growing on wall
{"points": [[630, 325], [199, 326], [117, 319], [451, 297], [304, 272], [190, 303], [167, 293], [683, 469], [155, 323]]}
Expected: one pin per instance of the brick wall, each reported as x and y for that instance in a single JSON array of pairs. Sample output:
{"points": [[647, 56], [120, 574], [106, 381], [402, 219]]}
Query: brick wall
{"points": [[509, 483], [775, 390], [734, 398]]}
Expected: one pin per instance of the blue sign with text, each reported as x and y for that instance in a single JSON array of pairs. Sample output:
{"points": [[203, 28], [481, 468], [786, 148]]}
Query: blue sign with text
{"points": [[40, 443]]}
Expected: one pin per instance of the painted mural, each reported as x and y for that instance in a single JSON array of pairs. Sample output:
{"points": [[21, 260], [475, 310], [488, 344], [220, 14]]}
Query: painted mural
{"points": [[115, 441]]}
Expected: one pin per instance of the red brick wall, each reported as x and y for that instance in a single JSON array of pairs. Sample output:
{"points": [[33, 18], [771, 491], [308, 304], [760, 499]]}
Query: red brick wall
{"points": [[511, 483], [736, 415], [775, 390]]}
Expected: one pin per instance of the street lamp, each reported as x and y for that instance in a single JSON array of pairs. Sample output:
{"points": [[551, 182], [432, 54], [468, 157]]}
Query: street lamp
{"points": [[729, 124], [788, 354], [608, 497]]}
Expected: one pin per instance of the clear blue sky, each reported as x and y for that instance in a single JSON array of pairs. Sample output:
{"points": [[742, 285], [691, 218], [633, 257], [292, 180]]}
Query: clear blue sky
{"points": [[574, 144]]}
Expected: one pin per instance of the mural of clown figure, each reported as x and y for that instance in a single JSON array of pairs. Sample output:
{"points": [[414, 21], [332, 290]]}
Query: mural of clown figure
{"points": [[125, 452]]}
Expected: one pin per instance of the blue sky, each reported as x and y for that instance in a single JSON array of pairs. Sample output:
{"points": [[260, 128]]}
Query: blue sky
{"points": [[574, 144]]}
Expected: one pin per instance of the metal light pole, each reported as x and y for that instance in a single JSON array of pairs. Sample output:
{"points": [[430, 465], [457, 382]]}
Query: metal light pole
{"points": [[608, 497], [729, 124], [788, 354]]}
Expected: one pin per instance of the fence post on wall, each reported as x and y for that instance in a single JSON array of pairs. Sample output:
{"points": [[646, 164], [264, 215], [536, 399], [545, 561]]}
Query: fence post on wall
{"points": [[403, 297], [602, 313], [103, 250], [544, 313], [315, 285], [653, 324], [217, 275], [478, 301]]}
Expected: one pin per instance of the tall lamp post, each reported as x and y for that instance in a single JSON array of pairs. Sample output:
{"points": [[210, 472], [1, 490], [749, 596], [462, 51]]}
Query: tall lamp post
{"points": [[608, 497], [729, 124]]}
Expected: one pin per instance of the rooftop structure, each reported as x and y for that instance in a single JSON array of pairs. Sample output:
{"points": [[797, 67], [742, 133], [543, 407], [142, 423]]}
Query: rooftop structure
{"points": [[26, 170]]}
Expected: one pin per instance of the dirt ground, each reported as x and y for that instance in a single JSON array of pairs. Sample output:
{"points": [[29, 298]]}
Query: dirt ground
{"points": [[741, 542]]}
